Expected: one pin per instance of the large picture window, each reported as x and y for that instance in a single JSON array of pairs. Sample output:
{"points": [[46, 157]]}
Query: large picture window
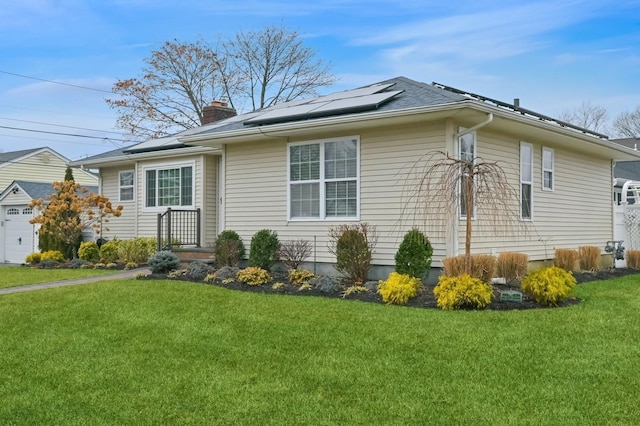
{"points": [[169, 187], [526, 181], [126, 185], [324, 179]]}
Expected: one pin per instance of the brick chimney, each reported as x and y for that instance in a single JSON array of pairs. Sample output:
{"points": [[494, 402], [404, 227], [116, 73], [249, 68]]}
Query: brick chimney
{"points": [[218, 110]]}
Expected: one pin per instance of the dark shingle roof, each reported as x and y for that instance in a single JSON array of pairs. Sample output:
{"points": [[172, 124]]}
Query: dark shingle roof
{"points": [[37, 190], [5, 157]]}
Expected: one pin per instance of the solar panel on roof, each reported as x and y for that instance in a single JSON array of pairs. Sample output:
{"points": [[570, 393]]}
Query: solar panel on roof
{"points": [[363, 91], [356, 103]]}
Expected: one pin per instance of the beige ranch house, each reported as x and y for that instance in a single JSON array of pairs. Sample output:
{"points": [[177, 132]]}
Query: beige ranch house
{"points": [[356, 156]]}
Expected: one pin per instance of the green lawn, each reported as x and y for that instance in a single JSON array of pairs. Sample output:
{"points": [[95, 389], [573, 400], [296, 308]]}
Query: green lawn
{"points": [[13, 276], [167, 352]]}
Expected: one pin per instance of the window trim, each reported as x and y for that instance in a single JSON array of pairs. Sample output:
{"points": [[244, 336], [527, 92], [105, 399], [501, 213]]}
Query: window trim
{"points": [[550, 170], [462, 215], [525, 182], [167, 166], [132, 186], [322, 181]]}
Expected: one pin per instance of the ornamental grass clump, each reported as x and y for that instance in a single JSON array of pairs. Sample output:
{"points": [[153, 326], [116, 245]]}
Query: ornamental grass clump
{"points": [[414, 255], [462, 292], [511, 266], [482, 266], [398, 289], [589, 258], [566, 259], [549, 286], [253, 276], [633, 259]]}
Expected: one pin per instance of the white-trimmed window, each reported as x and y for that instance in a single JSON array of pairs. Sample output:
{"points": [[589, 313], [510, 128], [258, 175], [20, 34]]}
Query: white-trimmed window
{"points": [[467, 152], [323, 179], [125, 180], [526, 181], [169, 186], [548, 160]]}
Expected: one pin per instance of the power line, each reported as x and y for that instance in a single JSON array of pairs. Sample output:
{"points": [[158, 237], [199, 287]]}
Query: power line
{"points": [[64, 134], [60, 125], [57, 82]]}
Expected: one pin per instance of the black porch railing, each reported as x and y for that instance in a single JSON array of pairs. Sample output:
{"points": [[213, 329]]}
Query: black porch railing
{"points": [[179, 228]]}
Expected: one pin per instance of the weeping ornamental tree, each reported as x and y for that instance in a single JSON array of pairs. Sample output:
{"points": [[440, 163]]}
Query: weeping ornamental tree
{"points": [[482, 188]]}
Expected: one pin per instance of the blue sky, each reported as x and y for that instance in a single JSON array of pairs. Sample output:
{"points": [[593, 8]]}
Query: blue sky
{"points": [[552, 55]]}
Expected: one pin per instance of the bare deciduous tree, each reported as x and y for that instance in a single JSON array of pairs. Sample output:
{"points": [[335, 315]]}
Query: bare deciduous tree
{"points": [[627, 124], [588, 116]]}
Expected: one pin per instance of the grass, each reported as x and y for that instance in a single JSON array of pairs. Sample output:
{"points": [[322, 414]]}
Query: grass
{"points": [[168, 352], [21, 275]]}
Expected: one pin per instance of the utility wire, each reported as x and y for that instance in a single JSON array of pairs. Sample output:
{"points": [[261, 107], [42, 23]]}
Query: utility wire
{"points": [[57, 82], [60, 125], [64, 134]]}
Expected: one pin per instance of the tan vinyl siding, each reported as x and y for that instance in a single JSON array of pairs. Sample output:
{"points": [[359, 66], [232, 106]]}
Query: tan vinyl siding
{"points": [[256, 188], [582, 184], [41, 167], [210, 200], [122, 227]]}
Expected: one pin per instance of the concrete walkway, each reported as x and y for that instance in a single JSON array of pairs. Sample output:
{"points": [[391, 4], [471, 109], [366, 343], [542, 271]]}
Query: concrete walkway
{"points": [[87, 280]]}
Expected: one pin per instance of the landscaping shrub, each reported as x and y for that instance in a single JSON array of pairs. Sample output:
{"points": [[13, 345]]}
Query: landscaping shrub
{"points": [[227, 272], [109, 252], [482, 266], [300, 276], [589, 258], [228, 249], [294, 252], [162, 261], [414, 255], [325, 284], [136, 250], [130, 265], [198, 270], [548, 286], [566, 259], [77, 263], [633, 259], [52, 255], [353, 245], [399, 288], [48, 264], [89, 251], [264, 248], [253, 275], [462, 292], [512, 266], [33, 258]]}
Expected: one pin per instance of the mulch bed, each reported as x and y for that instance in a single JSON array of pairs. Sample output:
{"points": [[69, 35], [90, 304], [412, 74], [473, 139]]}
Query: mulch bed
{"points": [[424, 299]]}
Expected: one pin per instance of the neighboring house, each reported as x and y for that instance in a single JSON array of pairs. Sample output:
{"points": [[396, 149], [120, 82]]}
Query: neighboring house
{"points": [[300, 167], [26, 175], [19, 237], [625, 171]]}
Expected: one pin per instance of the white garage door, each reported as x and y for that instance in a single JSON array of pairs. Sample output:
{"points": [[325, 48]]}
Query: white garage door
{"points": [[19, 233]]}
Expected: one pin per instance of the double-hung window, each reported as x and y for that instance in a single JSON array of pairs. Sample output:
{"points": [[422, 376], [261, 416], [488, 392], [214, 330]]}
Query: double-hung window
{"points": [[526, 181], [547, 169], [324, 179], [467, 153], [125, 179], [169, 186]]}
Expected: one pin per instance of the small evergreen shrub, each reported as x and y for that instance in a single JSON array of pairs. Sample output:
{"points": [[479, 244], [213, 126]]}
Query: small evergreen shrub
{"points": [[353, 245], [109, 252], [228, 249], [253, 275], [566, 259], [198, 270], [325, 284], [89, 251], [48, 264], [77, 264], [264, 249], [300, 276], [162, 261], [633, 259], [294, 252], [33, 258], [414, 255], [462, 292], [512, 266], [589, 258], [227, 272], [548, 286], [399, 288], [52, 255]]}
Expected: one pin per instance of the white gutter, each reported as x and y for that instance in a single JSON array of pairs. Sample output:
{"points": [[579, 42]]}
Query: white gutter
{"points": [[149, 155], [476, 127]]}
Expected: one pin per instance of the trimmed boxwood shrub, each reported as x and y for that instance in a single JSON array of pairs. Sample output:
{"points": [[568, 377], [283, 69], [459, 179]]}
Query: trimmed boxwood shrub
{"points": [[414, 255], [264, 249]]}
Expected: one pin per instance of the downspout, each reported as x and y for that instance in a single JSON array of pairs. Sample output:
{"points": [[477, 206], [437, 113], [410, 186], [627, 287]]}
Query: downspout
{"points": [[456, 137]]}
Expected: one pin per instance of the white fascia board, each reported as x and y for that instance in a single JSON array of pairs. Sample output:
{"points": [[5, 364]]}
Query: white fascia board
{"points": [[128, 158]]}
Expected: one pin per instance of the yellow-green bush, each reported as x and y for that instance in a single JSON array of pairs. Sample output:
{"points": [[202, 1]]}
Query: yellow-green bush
{"points": [[300, 276], [33, 258], [109, 252], [548, 286], [89, 251], [52, 255], [398, 288], [462, 292], [253, 276]]}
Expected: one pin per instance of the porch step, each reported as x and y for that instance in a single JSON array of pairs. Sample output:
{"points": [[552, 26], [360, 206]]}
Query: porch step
{"points": [[191, 254]]}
